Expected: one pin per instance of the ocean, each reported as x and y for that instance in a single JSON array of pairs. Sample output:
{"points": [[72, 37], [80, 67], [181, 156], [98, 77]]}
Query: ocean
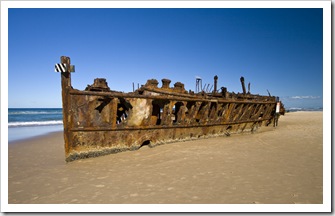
{"points": [[302, 103], [25, 123]]}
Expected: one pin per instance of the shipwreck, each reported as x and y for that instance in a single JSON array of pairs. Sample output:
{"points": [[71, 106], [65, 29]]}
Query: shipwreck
{"points": [[99, 121]]}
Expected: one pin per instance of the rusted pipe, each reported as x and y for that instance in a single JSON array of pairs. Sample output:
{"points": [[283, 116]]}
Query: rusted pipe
{"points": [[243, 86], [215, 83]]}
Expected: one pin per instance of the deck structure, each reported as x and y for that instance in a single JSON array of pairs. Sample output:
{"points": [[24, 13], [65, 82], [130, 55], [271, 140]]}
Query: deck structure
{"points": [[99, 121]]}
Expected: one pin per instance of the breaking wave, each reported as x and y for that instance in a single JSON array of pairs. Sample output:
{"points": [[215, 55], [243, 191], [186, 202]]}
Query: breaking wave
{"points": [[33, 113], [296, 109], [35, 123]]}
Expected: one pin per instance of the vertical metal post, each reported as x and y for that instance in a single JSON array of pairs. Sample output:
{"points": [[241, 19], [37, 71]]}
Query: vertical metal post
{"points": [[115, 102], [198, 84], [66, 86], [243, 86], [215, 84]]}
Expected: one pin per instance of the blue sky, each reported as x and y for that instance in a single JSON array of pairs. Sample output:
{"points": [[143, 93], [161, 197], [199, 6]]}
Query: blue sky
{"points": [[275, 49]]}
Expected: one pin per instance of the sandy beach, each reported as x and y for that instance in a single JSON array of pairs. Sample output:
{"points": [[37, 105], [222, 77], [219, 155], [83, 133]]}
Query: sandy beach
{"points": [[280, 165]]}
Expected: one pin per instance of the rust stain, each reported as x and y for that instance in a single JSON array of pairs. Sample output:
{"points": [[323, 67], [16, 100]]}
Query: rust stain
{"points": [[100, 121]]}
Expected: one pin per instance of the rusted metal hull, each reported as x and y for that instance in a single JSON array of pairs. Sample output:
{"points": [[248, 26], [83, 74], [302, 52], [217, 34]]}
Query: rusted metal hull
{"points": [[98, 121]]}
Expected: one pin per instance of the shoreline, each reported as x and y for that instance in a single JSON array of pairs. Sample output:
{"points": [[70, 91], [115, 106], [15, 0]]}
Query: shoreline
{"points": [[36, 138], [282, 165], [17, 134]]}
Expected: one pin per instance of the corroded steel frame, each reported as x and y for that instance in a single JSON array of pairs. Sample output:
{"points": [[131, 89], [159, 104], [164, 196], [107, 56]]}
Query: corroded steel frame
{"points": [[98, 121]]}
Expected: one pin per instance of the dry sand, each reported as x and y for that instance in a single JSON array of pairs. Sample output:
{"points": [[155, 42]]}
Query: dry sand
{"points": [[279, 165]]}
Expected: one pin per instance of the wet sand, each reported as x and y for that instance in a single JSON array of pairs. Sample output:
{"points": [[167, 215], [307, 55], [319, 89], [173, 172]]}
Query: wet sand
{"points": [[280, 165]]}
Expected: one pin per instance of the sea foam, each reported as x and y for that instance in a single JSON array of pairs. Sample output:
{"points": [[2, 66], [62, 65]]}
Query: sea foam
{"points": [[35, 123]]}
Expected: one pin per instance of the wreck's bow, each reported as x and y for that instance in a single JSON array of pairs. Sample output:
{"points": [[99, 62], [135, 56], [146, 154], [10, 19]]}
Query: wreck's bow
{"points": [[99, 121]]}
